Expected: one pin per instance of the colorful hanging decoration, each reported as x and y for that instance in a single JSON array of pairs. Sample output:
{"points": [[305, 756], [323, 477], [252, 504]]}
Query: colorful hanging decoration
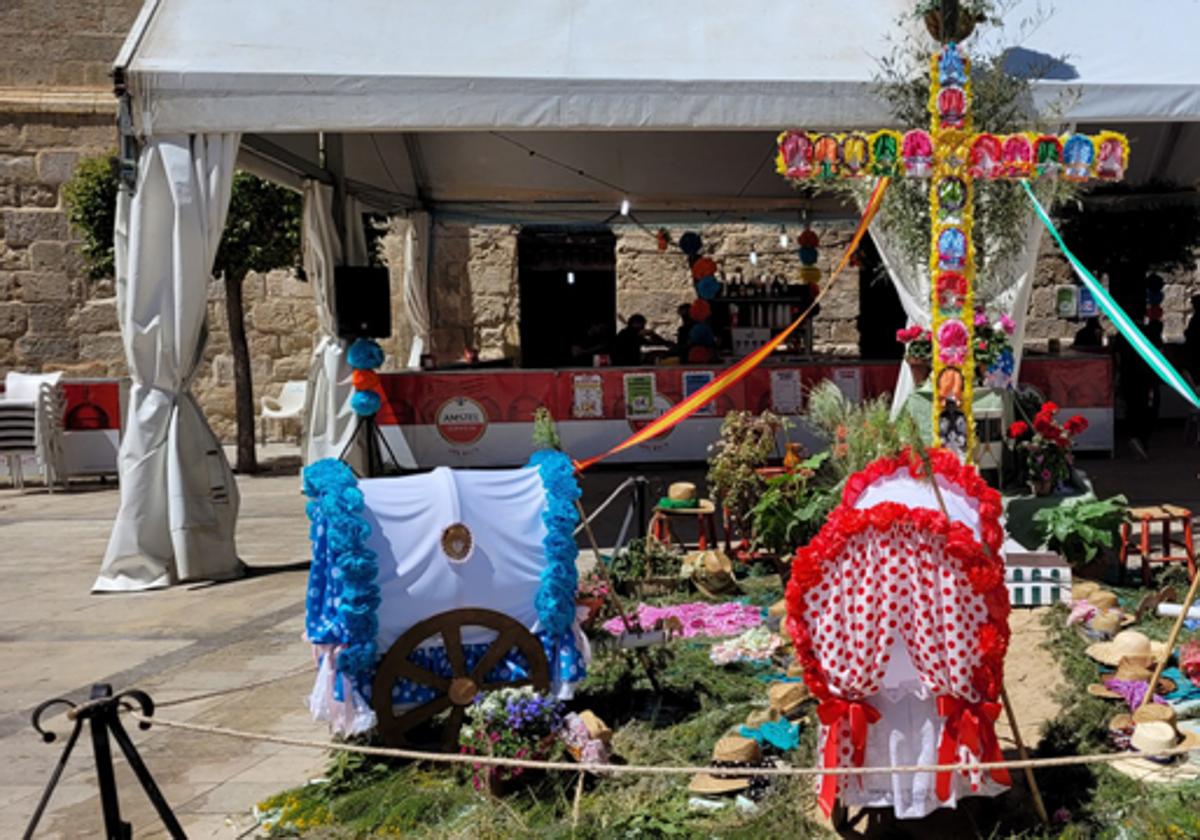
{"points": [[809, 243], [952, 156], [364, 356]]}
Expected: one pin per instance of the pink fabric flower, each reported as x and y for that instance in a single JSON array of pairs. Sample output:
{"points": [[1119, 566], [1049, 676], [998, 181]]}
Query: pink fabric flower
{"points": [[698, 619], [1081, 613], [1007, 324], [981, 319]]}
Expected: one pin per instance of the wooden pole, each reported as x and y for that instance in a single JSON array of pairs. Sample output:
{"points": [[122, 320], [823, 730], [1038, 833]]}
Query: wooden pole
{"points": [[1161, 662], [1034, 791]]}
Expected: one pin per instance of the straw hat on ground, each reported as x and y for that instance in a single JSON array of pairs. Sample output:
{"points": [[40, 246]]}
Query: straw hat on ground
{"points": [[778, 609], [1154, 737], [1154, 713], [760, 716], [1102, 599], [732, 750], [681, 492], [1132, 669], [786, 697], [1081, 589], [1126, 643]]}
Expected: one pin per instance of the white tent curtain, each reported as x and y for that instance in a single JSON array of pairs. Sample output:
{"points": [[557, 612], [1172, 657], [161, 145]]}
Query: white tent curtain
{"points": [[1011, 286], [179, 501], [329, 421], [416, 284]]}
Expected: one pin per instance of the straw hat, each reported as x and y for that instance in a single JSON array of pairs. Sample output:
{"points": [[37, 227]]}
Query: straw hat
{"points": [[1126, 643], [1081, 589], [1154, 713], [597, 729], [795, 670], [730, 750], [1154, 737], [760, 716], [685, 491], [786, 697], [1103, 599], [1132, 669], [778, 609], [711, 572]]}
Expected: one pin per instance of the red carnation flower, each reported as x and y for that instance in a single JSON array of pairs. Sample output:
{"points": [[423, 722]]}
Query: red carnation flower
{"points": [[1075, 425], [1018, 429]]}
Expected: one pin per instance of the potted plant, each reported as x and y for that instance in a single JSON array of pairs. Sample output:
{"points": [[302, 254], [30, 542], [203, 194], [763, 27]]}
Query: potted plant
{"points": [[509, 723], [918, 351], [746, 443], [792, 508], [1044, 450], [970, 14], [1083, 533], [592, 592]]}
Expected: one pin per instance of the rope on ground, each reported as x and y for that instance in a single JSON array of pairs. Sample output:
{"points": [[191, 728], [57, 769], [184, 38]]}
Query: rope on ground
{"points": [[642, 769]]}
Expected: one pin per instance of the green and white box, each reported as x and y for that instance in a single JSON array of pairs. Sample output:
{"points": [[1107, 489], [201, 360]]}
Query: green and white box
{"points": [[1037, 579]]}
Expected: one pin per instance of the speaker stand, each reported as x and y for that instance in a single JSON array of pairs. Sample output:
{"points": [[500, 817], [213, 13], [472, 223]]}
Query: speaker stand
{"points": [[375, 444]]}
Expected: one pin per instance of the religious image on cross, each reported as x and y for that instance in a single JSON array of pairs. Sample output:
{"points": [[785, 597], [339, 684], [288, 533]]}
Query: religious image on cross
{"points": [[952, 156]]}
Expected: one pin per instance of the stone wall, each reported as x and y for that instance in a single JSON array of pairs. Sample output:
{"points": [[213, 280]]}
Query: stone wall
{"points": [[473, 273], [62, 43]]}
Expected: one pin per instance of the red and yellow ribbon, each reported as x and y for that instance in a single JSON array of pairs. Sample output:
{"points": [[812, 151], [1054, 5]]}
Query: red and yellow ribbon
{"points": [[736, 373]]}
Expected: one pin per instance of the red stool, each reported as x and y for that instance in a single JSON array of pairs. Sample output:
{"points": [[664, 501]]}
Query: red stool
{"points": [[706, 524], [1167, 516]]}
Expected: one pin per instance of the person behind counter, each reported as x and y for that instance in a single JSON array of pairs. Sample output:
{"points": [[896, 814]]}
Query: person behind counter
{"points": [[684, 331], [627, 346]]}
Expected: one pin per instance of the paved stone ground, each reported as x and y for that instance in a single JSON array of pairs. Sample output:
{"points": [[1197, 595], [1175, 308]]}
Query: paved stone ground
{"points": [[56, 640]]}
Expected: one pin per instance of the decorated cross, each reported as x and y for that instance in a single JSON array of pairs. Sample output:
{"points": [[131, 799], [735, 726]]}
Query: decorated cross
{"points": [[951, 156]]}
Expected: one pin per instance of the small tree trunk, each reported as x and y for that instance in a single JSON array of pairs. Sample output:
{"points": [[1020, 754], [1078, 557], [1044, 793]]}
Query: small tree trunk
{"points": [[243, 387]]}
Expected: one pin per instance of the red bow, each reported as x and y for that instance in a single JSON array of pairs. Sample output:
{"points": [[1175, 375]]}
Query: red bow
{"points": [[857, 715], [970, 725]]}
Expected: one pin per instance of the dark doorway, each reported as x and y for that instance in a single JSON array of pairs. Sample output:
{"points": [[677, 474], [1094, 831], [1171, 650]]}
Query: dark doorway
{"points": [[568, 294], [879, 311]]}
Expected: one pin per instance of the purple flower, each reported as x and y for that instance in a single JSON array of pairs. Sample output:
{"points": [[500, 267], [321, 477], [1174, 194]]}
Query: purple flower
{"points": [[1045, 474]]}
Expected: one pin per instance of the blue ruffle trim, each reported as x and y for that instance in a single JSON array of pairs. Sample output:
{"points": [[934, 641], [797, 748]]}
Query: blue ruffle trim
{"points": [[555, 599], [566, 666], [343, 599]]}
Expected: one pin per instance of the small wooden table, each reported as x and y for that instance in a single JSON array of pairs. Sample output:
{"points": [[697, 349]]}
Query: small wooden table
{"points": [[1167, 516]]}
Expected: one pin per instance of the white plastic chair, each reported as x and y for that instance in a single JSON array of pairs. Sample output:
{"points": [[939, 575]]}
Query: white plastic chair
{"points": [[288, 406]]}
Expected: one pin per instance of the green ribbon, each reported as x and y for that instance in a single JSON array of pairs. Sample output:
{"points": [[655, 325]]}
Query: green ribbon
{"points": [[1115, 313]]}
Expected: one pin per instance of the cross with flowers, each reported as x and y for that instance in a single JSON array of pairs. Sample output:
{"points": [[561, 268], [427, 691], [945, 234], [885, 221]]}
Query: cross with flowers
{"points": [[952, 156]]}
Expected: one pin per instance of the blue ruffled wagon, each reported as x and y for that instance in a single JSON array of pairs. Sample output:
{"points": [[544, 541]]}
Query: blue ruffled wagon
{"points": [[427, 590]]}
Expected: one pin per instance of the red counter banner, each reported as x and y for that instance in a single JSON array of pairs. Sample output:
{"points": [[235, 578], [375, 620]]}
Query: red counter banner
{"points": [[714, 389]]}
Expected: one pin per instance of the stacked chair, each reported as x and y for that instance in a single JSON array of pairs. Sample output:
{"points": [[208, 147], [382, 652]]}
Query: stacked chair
{"points": [[31, 412]]}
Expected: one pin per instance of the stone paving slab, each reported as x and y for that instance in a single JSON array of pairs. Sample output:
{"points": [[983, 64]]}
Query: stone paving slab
{"points": [[56, 639]]}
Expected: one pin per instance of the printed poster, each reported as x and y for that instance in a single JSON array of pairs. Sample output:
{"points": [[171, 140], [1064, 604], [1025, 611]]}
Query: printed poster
{"points": [[695, 380], [849, 382], [639, 396], [786, 394], [588, 400], [1066, 301], [1087, 304]]}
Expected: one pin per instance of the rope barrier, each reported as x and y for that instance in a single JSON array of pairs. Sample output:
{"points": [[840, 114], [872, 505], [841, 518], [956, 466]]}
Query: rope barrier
{"points": [[644, 769]]}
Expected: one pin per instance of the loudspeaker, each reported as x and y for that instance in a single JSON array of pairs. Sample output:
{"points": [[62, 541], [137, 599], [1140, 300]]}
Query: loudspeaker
{"points": [[362, 300]]}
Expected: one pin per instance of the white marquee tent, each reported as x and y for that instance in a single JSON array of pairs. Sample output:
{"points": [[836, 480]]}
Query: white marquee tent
{"points": [[432, 107]]}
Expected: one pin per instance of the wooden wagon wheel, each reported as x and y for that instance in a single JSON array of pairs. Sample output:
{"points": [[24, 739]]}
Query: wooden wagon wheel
{"points": [[458, 690]]}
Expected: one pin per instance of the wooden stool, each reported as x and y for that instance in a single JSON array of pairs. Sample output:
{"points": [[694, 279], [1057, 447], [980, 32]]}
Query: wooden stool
{"points": [[1166, 515], [706, 522]]}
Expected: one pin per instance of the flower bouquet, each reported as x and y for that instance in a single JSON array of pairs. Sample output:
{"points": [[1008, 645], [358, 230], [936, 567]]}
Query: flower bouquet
{"points": [[1044, 451], [918, 351], [509, 723]]}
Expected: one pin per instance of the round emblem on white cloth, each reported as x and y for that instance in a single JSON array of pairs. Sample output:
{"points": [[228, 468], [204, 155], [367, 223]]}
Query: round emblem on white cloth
{"points": [[457, 542]]}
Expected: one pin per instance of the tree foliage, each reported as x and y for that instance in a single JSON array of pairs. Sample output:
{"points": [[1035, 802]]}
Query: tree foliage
{"points": [[263, 229], [91, 199]]}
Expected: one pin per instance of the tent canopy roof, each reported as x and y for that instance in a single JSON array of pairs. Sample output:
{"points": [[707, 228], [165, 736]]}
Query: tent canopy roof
{"points": [[674, 102], [307, 65]]}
